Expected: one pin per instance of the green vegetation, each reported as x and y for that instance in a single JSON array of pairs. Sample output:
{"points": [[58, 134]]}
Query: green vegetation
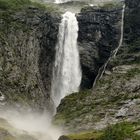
{"points": [[110, 93], [120, 131], [86, 136], [8, 9], [18, 4], [72, 107], [133, 72], [110, 5]]}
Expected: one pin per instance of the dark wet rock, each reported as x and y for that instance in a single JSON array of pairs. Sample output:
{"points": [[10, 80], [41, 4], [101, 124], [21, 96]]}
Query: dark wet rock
{"points": [[132, 21], [99, 34]]}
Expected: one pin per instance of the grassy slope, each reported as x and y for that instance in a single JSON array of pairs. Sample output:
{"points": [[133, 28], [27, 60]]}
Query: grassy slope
{"points": [[120, 131]]}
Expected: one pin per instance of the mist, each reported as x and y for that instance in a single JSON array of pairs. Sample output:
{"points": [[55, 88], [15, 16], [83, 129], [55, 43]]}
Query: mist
{"points": [[36, 125]]}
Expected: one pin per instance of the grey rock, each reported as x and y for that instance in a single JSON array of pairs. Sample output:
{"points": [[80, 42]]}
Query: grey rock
{"points": [[99, 34], [27, 47]]}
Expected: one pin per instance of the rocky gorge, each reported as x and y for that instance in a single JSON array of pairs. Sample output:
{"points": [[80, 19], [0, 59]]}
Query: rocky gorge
{"points": [[28, 37], [115, 98], [39, 31]]}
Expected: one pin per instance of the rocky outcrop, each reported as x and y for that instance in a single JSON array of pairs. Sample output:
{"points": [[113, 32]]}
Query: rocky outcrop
{"points": [[27, 46], [116, 97], [99, 34]]}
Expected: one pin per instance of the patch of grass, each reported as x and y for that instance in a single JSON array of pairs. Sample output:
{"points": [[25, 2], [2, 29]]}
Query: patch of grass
{"points": [[71, 107], [85, 136], [120, 131]]}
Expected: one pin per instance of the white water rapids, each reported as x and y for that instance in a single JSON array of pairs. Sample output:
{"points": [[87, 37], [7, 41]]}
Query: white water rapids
{"points": [[66, 71]]}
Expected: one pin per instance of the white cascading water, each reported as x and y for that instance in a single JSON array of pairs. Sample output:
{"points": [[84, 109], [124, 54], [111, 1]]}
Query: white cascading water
{"points": [[114, 52], [61, 1], [122, 29], [66, 71]]}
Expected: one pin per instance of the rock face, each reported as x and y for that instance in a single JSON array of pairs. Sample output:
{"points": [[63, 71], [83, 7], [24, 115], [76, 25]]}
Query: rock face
{"points": [[116, 96], [132, 20], [27, 46], [130, 51], [8, 132], [99, 34]]}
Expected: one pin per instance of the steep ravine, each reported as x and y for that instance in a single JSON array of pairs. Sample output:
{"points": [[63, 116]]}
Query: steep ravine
{"points": [[28, 40]]}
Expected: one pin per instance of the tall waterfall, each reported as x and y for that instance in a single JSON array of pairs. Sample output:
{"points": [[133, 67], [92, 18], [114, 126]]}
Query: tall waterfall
{"points": [[114, 52], [66, 71]]}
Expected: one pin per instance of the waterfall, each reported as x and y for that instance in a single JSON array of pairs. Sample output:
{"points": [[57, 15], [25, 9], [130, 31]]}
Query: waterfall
{"points": [[66, 71], [61, 1], [114, 52], [122, 29]]}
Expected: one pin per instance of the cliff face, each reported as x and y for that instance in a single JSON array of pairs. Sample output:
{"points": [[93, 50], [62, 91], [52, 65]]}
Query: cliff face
{"points": [[99, 34], [27, 40], [129, 51], [116, 96]]}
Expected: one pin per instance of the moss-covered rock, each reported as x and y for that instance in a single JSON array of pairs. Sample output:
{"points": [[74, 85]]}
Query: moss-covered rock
{"points": [[119, 131], [115, 97], [28, 35]]}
